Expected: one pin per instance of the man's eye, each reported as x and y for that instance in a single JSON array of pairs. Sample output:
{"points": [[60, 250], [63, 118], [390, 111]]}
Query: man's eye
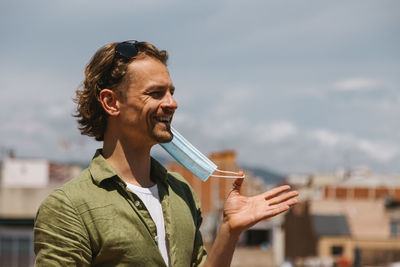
{"points": [[156, 94]]}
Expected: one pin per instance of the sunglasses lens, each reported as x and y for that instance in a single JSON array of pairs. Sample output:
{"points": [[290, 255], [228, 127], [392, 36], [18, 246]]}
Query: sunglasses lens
{"points": [[126, 49]]}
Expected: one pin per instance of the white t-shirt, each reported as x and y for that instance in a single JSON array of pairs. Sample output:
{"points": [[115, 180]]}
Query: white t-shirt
{"points": [[151, 200]]}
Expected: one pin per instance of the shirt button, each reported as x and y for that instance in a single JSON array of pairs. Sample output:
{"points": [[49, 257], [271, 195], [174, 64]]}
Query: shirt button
{"points": [[156, 237], [137, 203]]}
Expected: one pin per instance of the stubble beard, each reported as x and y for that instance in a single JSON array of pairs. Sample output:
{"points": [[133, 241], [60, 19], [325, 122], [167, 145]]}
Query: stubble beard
{"points": [[163, 136]]}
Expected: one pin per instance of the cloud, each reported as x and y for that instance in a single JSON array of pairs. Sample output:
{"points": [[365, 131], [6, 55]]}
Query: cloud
{"points": [[380, 151], [377, 150], [326, 138], [270, 92], [274, 132], [231, 100], [357, 84]]}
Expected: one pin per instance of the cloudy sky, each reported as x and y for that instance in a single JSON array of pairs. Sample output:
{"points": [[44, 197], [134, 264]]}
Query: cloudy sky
{"points": [[292, 86]]}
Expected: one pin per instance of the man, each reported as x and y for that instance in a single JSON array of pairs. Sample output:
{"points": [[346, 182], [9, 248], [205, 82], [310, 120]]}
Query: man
{"points": [[125, 209]]}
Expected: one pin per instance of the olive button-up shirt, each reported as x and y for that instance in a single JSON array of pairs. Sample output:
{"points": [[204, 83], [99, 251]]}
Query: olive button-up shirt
{"points": [[94, 220]]}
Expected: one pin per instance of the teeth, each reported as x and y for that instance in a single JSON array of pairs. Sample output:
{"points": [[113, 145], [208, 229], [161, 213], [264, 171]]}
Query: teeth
{"points": [[163, 119]]}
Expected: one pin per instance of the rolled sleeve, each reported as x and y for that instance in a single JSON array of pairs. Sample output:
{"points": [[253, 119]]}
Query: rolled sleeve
{"points": [[60, 238]]}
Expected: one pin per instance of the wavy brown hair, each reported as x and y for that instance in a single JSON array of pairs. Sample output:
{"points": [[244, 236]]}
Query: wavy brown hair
{"points": [[105, 70]]}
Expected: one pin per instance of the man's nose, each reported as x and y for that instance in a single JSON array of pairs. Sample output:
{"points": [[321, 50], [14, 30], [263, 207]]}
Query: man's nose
{"points": [[169, 102]]}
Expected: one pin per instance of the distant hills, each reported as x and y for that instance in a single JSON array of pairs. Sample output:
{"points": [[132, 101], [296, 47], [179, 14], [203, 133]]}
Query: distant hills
{"points": [[269, 177]]}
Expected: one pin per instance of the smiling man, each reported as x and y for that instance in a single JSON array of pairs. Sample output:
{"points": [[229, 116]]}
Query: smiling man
{"points": [[126, 209]]}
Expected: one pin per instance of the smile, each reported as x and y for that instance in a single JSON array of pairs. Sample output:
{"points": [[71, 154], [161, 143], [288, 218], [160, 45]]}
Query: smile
{"points": [[164, 119]]}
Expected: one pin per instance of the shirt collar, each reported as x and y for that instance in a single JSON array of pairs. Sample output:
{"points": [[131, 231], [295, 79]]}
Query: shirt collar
{"points": [[101, 170]]}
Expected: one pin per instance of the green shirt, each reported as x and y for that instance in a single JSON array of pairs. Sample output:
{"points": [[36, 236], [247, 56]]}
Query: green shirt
{"points": [[95, 220]]}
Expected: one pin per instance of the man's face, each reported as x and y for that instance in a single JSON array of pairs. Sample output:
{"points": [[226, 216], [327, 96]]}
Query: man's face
{"points": [[147, 108]]}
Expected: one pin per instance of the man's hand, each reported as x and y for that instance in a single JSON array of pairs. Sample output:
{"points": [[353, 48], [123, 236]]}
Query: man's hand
{"points": [[242, 212]]}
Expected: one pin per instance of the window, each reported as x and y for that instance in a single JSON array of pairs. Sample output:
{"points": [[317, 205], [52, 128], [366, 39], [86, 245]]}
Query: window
{"points": [[257, 237], [16, 248], [394, 228], [336, 250]]}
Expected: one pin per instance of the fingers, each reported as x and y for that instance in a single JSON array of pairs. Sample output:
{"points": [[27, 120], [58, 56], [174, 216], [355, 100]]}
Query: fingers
{"points": [[278, 201], [291, 202], [279, 208], [273, 211], [275, 191], [287, 197]]}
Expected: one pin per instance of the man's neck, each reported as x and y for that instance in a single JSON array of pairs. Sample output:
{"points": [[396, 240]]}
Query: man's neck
{"points": [[130, 161]]}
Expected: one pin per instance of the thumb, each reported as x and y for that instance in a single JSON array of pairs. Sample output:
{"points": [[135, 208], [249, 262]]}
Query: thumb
{"points": [[237, 184]]}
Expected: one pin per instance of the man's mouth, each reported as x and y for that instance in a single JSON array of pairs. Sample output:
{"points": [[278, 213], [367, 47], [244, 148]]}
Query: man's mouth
{"points": [[164, 119]]}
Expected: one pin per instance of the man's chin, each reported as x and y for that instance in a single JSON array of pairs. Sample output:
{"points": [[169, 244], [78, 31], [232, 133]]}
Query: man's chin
{"points": [[164, 140], [164, 137]]}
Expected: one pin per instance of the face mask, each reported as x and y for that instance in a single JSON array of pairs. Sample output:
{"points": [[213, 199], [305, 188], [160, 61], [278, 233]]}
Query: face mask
{"points": [[192, 159]]}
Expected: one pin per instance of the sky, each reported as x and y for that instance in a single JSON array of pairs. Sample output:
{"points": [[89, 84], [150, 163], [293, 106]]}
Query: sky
{"points": [[291, 86]]}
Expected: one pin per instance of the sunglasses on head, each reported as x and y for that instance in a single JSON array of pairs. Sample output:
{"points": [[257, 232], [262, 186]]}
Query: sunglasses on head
{"points": [[126, 49]]}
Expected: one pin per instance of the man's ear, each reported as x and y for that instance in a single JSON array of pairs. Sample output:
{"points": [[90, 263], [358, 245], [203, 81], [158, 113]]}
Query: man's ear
{"points": [[109, 101]]}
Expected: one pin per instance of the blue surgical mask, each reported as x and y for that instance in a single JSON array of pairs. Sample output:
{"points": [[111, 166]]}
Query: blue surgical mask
{"points": [[192, 159]]}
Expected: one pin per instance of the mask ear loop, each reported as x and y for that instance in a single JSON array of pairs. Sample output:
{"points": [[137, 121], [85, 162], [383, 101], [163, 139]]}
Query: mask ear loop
{"points": [[227, 176]]}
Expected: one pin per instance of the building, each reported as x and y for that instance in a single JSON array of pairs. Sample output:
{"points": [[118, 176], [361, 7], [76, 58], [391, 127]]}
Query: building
{"points": [[24, 184], [353, 218]]}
